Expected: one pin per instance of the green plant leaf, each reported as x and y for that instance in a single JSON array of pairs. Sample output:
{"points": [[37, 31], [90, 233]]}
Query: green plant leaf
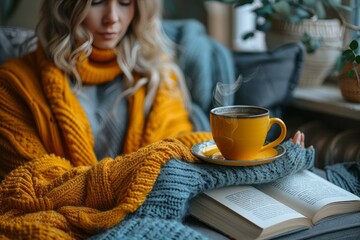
{"points": [[237, 2], [338, 4], [313, 45], [357, 59], [248, 35], [282, 8], [300, 14], [240, 3], [349, 55], [243, 2], [316, 7], [332, 2], [264, 27], [305, 37], [340, 63], [351, 73], [354, 45], [264, 11], [310, 43], [295, 19], [320, 10]]}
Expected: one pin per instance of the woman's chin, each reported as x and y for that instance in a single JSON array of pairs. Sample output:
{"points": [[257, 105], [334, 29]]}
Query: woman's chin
{"points": [[105, 45]]}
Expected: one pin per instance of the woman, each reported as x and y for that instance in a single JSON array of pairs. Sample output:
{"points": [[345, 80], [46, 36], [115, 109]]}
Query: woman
{"points": [[89, 119]]}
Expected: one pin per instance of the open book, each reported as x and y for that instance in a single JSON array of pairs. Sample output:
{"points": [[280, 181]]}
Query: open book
{"points": [[268, 210]]}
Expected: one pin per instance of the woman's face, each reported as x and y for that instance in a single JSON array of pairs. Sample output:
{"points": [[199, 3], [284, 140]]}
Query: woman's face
{"points": [[108, 21]]}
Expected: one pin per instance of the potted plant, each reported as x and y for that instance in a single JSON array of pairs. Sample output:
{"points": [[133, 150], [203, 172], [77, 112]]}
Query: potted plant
{"points": [[349, 77], [318, 24]]}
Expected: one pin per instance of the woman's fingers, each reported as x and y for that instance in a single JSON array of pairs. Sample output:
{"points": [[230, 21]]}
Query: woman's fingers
{"points": [[302, 140], [296, 137], [299, 138]]}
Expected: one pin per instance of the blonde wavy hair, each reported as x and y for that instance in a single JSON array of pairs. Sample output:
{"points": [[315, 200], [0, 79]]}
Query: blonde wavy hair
{"points": [[145, 48]]}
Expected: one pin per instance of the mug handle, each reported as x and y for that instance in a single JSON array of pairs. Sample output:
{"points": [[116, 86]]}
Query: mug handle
{"points": [[281, 136]]}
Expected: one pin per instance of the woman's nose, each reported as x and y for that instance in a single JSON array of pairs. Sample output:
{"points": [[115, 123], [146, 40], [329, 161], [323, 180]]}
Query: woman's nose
{"points": [[111, 15]]}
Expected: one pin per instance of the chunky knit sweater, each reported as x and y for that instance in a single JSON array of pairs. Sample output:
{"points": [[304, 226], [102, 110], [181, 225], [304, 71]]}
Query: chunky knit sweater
{"points": [[54, 186]]}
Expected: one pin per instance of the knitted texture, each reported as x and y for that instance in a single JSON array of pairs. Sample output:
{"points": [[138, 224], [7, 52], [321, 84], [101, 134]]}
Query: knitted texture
{"points": [[54, 185], [346, 175], [179, 182], [150, 228], [47, 197]]}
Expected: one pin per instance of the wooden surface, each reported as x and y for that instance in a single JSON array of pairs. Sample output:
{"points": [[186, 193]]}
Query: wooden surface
{"points": [[326, 99]]}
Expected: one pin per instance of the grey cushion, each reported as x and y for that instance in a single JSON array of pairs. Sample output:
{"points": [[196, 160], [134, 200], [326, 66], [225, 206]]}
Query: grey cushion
{"points": [[269, 77]]}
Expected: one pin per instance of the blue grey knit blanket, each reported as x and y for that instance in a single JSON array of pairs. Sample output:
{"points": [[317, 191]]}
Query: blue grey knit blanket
{"points": [[161, 215], [345, 175]]}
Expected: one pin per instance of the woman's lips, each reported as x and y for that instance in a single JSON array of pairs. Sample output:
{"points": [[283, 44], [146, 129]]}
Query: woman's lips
{"points": [[107, 35]]}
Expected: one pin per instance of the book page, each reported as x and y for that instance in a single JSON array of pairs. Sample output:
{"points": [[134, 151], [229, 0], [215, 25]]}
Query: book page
{"points": [[254, 205], [306, 192]]}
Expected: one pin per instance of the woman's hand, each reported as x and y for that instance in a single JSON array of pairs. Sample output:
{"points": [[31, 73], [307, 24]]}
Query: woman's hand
{"points": [[299, 138]]}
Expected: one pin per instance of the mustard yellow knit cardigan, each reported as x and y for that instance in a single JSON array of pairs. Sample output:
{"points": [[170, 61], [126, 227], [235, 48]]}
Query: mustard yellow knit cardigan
{"points": [[54, 186]]}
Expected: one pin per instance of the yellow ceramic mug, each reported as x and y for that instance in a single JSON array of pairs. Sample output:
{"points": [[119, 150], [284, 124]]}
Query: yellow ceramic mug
{"points": [[240, 131]]}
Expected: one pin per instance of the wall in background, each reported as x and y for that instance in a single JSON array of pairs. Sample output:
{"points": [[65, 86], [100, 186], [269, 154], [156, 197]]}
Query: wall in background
{"points": [[26, 15], [215, 16], [220, 23]]}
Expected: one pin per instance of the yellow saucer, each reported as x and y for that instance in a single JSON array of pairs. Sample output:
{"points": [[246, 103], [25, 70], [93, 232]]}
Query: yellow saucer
{"points": [[209, 152]]}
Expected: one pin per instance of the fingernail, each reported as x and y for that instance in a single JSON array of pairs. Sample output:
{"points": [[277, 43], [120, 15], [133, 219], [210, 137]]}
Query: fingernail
{"points": [[298, 138]]}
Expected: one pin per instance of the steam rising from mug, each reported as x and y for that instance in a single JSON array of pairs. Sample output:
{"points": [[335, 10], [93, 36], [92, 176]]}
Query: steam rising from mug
{"points": [[222, 91]]}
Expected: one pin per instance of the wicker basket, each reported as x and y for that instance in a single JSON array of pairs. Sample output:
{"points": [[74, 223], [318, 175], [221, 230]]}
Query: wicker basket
{"points": [[350, 87], [318, 65]]}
